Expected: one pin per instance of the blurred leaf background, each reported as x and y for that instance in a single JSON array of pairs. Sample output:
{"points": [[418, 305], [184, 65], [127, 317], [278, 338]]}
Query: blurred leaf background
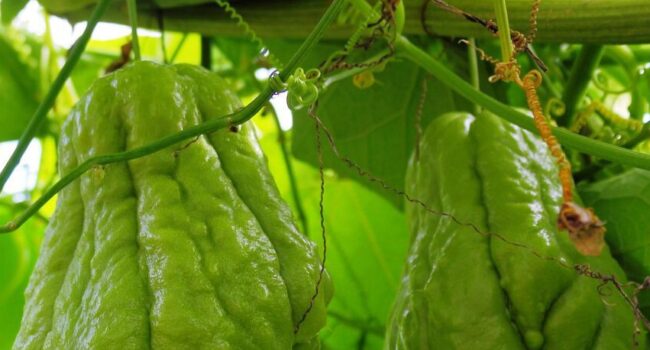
{"points": [[375, 125]]}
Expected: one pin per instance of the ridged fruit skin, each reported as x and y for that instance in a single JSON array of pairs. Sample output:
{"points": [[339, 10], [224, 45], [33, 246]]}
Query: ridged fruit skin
{"points": [[191, 247], [465, 290]]}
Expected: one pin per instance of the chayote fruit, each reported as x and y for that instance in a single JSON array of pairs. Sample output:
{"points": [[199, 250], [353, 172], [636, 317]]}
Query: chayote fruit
{"points": [[187, 248], [465, 290]]}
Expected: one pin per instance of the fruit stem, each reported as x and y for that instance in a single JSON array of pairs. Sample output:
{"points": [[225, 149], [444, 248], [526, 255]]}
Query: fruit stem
{"points": [[474, 79], [133, 20]]}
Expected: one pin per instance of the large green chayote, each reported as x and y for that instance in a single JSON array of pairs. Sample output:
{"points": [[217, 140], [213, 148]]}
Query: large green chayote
{"points": [[465, 290], [187, 248]]}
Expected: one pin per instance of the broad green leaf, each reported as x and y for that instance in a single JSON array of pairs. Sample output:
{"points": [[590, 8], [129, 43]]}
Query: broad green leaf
{"points": [[237, 59], [367, 241], [90, 67], [375, 127], [623, 203], [18, 92], [239, 52], [10, 9], [18, 253]]}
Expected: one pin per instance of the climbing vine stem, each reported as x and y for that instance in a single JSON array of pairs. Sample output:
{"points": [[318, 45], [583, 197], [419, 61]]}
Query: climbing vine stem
{"points": [[41, 112], [133, 21], [209, 126]]}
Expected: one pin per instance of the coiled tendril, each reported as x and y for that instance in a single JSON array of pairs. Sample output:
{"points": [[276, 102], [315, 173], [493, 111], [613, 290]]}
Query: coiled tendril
{"points": [[232, 12]]}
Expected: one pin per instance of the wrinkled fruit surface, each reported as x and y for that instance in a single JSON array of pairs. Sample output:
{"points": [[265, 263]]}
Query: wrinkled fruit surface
{"points": [[465, 290], [188, 248]]}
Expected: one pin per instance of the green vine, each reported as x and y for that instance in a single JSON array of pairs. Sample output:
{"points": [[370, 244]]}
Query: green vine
{"points": [[362, 26], [213, 125]]}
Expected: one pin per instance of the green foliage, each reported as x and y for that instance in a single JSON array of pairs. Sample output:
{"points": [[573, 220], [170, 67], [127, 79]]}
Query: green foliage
{"points": [[9, 9], [366, 238], [18, 91], [376, 127], [623, 202], [18, 255]]}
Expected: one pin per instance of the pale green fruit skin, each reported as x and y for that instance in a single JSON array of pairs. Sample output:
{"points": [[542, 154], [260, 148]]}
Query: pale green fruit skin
{"points": [[191, 247], [465, 290]]}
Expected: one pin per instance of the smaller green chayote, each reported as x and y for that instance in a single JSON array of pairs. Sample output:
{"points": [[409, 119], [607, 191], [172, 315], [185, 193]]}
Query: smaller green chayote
{"points": [[191, 247], [463, 289]]}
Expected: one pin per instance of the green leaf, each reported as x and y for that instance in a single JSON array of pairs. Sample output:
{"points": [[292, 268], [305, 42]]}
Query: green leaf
{"points": [[18, 252], [375, 127], [623, 203], [90, 67], [10, 9], [18, 92], [367, 240], [236, 60]]}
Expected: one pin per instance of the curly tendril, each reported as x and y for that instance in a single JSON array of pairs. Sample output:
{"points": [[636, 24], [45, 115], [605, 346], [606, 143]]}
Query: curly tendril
{"points": [[234, 15], [585, 229], [601, 81], [618, 129], [532, 22], [554, 107], [530, 83], [362, 27], [349, 15], [302, 88], [615, 119]]}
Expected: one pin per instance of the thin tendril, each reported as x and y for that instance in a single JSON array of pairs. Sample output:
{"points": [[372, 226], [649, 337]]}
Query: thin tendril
{"points": [[533, 22], [232, 12], [530, 83], [321, 206]]}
